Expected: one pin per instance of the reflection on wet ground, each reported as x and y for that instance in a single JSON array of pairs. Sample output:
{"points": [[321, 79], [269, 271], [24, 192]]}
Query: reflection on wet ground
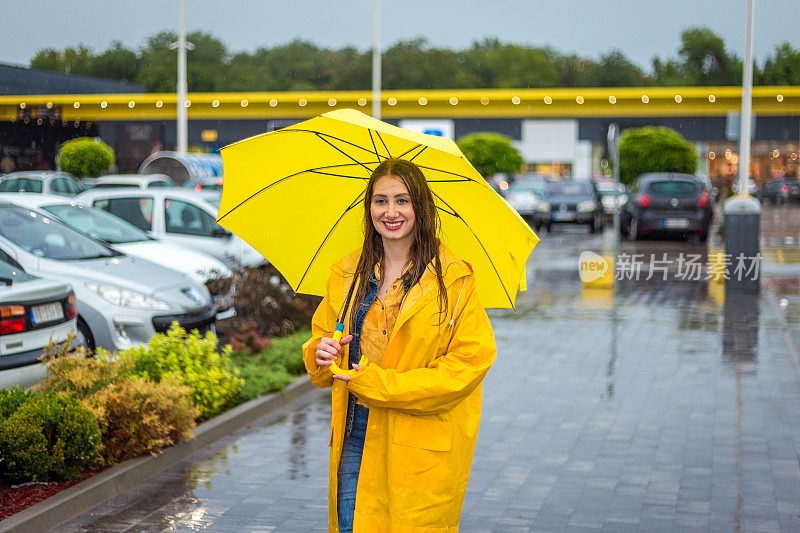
{"points": [[667, 407]]}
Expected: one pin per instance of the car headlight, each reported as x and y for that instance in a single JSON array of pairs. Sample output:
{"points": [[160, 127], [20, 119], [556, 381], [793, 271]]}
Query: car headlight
{"points": [[585, 207], [543, 207], [126, 297]]}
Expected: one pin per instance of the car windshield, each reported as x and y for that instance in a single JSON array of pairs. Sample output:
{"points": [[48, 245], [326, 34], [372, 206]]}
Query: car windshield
{"points": [[12, 274], [21, 185], [680, 189], [115, 186], [45, 237], [568, 189], [533, 188], [97, 224]]}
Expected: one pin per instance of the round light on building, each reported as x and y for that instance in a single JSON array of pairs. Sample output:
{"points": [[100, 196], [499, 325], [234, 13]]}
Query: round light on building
{"points": [[159, 103], [484, 100], [332, 102], [244, 103], [273, 102], [515, 100], [612, 99], [187, 103], [423, 101], [579, 99], [794, 156], [38, 122], [49, 105], [645, 98], [131, 104], [76, 105], [215, 103], [548, 100], [23, 105], [362, 101], [728, 154], [302, 102], [392, 101], [711, 155], [779, 98], [453, 100], [678, 98], [776, 153], [712, 98], [104, 104]]}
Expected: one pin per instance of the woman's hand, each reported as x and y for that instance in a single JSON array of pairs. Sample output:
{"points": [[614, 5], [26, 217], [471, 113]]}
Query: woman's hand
{"points": [[328, 350]]}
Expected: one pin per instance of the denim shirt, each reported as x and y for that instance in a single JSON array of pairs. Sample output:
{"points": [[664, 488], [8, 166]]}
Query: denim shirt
{"points": [[355, 344]]}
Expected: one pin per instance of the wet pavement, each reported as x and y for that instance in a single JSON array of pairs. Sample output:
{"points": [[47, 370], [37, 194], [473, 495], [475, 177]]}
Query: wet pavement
{"points": [[667, 408]]}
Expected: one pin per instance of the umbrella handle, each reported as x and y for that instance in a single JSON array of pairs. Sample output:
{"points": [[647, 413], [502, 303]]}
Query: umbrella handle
{"points": [[336, 369]]}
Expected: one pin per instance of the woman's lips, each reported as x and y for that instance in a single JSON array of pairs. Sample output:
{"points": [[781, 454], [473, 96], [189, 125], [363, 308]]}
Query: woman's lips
{"points": [[393, 226]]}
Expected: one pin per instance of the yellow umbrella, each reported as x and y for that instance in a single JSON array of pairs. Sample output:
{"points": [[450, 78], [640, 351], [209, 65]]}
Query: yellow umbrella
{"points": [[296, 195]]}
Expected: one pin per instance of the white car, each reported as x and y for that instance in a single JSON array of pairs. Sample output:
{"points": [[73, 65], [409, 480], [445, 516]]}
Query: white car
{"points": [[41, 182], [199, 266], [137, 181], [32, 312], [609, 198], [177, 216]]}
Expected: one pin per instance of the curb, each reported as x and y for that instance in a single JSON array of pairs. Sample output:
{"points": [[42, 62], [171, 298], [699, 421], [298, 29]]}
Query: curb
{"points": [[86, 494]]}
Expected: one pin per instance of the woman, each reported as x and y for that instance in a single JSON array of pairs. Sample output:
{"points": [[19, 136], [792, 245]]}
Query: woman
{"points": [[404, 425]]}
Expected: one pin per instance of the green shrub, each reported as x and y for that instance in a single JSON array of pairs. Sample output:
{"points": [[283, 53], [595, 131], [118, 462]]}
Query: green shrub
{"points": [[85, 157], [79, 375], [191, 360], [51, 436], [139, 416], [11, 400], [654, 149], [270, 370], [491, 153]]}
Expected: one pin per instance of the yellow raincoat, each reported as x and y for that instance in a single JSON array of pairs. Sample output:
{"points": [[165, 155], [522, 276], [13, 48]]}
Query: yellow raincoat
{"points": [[424, 402]]}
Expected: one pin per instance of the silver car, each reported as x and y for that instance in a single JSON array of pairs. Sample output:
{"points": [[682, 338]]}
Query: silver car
{"points": [[32, 312], [122, 181], [176, 216], [122, 300], [41, 182]]}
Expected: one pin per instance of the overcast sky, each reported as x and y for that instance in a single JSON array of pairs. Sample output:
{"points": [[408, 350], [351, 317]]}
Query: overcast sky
{"points": [[642, 29]]}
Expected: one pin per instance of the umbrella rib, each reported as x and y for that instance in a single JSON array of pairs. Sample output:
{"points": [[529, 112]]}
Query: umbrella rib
{"points": [[321, 136], [339, 175], [383, 143], [455, 214], [448, 172], [415, 155], [318, 133], [354, 203], [280, 180], [371, 138]]}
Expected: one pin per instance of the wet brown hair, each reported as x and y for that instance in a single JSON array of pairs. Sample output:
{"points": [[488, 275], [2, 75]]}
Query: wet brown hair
{"points": [[425, 244]]}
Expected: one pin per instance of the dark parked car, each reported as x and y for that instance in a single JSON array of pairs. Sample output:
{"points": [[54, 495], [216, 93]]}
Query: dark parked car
{"points": [[672, 204], [569, 202], [780, 191]]}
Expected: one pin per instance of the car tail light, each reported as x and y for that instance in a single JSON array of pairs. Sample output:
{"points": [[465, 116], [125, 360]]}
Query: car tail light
{"points": [[72, 306], [219, 181], [703, 201], [12, 319], [645, 201], [784, 189], [198, 188]]}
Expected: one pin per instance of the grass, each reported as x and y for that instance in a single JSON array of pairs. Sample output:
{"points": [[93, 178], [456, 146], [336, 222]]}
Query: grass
{"points": [[271, 369]]}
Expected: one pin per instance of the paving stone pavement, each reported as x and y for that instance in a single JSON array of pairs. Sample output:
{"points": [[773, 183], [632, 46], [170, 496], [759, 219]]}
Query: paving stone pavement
{"points": [[667, 411]]}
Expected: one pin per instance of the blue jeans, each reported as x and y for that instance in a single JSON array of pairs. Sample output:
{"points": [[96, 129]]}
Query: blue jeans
{"points": [[349, 465]]}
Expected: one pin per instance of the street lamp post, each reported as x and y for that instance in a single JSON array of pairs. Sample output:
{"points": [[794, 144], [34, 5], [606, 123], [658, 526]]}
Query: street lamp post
{"points": [[376, 61], [183, 120]]}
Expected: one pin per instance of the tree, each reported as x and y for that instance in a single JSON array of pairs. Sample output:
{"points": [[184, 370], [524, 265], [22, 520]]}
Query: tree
{"points": [[783, 68], [613, 70], [116, 63], [705, 60], [654, 149], [491, 153], [85, 157], [71, 60], [206, 65]]}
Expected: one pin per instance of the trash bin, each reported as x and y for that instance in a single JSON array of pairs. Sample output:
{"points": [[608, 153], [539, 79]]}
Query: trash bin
{"points": [[742, 248]]}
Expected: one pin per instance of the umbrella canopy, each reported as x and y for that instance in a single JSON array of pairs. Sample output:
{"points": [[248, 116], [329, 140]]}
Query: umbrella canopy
{"points": [[297, 196]]}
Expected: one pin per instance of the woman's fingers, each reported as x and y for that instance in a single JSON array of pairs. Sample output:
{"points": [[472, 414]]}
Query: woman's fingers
{"points": [[341, 377], [346, 340]]}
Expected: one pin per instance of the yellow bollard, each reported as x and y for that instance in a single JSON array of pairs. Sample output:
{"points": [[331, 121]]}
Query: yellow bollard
{"points": [[716, 266]]}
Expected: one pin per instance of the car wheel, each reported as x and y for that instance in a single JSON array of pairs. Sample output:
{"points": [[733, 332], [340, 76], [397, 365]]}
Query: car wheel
{"points": [[633, 230], [84, 336]]}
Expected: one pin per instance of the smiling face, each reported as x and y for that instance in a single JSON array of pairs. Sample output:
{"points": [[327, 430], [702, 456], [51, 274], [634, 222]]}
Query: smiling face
{"points": [[391, 210]]}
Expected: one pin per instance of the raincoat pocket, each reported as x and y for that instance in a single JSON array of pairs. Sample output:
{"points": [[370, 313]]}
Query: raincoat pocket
{"points": [[418, 456]]}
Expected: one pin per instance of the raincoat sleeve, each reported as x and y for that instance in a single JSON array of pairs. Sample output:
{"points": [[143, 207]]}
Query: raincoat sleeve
{"points": [[448, 379], [322, 325]]}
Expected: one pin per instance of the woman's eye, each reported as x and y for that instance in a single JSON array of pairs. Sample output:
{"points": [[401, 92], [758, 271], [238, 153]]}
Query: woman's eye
{"points": [[378, 201]]}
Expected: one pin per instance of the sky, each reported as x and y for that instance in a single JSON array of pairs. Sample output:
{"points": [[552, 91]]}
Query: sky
{"points": [[642, 29]]}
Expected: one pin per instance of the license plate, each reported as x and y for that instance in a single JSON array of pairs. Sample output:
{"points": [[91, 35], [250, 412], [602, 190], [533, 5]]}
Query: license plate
{"points": [[47, 313], [676, 223], [564, 216]]}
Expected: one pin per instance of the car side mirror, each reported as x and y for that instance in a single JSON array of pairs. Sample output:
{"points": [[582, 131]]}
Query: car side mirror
{"points": [[220, 232]]}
